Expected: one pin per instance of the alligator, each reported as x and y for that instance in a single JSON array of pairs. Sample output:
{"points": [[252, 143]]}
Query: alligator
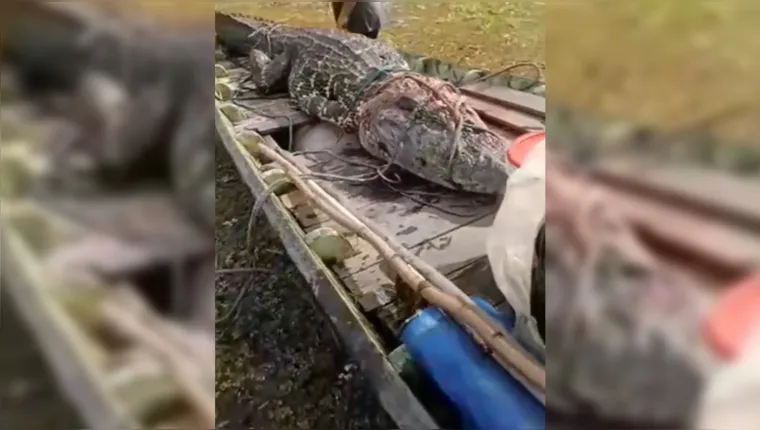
{"points": [[132, 95], [136, 98], [416, 122], [126, 110]]}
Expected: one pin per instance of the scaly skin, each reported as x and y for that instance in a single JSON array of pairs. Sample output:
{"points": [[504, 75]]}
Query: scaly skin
{"points": [[323, 70], [365, 86], [137, 95], [625, 339], [407, 123], [140, 97]]}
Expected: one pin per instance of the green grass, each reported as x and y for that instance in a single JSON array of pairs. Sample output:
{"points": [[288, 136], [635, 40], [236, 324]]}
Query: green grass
{"points": [[167, 12], [668, 63], [487, 34]]}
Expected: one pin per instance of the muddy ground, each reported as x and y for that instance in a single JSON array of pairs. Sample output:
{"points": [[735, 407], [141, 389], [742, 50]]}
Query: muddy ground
{"points": [[279, 365], [30, 398]]}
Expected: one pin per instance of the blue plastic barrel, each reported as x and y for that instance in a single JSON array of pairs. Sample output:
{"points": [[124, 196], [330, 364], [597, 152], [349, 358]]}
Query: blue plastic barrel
{"points": [[487, 396]]}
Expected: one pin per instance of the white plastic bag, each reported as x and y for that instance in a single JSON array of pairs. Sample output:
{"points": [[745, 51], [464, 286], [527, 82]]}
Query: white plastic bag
{"points": [[732, 396], [511, 244]]}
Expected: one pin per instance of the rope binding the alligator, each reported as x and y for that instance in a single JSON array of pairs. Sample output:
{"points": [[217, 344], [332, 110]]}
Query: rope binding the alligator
{"points": [[377, 75], [458, 109]]}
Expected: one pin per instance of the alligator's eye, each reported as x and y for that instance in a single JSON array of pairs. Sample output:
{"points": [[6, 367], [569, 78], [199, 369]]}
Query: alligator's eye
{"points": [[406, 103]]}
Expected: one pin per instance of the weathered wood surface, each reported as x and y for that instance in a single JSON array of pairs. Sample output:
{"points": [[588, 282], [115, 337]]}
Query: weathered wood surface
{"points": [[268, 116], [62, 308], [526, 102], [151, 219], [67, 349], [446, 228], [351, 324], [505, 119], [693, 182], [263, 115]]}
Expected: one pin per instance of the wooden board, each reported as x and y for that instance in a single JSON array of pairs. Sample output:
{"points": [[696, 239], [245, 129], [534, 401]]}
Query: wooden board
{"points": [[449, 253], [505, 118], [694, 182], [269, 116], [148, 218], [66, 347], [526, 102], [473, 277], [446, 228], [265, 115], [352, 326], [141, 231]]}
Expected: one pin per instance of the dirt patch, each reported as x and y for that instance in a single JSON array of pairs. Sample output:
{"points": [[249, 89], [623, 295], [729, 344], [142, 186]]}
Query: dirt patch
{"points": [[29, 394], [279, 365]]}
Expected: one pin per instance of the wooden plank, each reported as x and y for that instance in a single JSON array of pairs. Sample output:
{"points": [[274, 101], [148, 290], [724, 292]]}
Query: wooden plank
{"points": [[382, 293], [476, 279], [309, 216], [352, 326], [461, 245], [65, 346], [730, 247], [694, 182], [513, 120], [318, 143], [447, 253], [366, 257], [345, 158], [267, 116], [473, 277], [294, 199], [413, 225], [150, 219], [526, 102]]}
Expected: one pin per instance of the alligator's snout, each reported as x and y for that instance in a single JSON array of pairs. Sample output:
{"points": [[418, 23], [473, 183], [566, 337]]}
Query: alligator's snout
{"points": [[422, 126]]}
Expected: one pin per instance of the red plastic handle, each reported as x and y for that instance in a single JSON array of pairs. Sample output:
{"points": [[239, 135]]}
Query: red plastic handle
{"points": [[734, 318], [522, 146]]}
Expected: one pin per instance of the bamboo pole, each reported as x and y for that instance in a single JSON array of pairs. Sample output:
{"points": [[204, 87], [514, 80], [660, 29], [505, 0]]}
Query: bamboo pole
{"points": [[440, 292]]}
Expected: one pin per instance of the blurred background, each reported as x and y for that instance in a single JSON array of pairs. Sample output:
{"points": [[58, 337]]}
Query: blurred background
{"points": [[106, 263], [652, 225], [666, 64]]}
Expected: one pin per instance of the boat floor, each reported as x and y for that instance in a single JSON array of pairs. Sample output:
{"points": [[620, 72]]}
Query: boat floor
{"points": [[445, 228]]}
